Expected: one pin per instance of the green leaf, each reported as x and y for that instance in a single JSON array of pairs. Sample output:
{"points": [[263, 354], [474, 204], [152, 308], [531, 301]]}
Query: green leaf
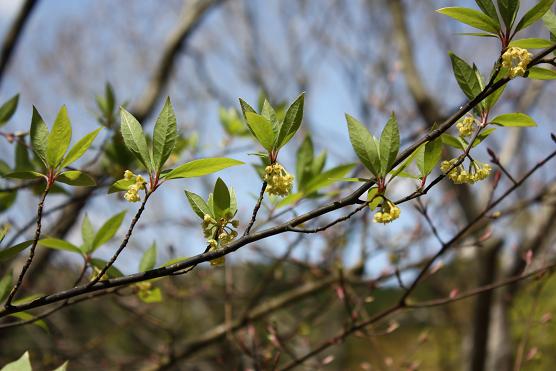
{"points": [[153, 295], [292, 122], [164, 136], [534, 14], [25, 175], [538, 73], [120, 185], [87, 234], [428, 156], [197, 203], [25, 316], [148, 261], [10, 252], [532, 43], [508, 10], [22, 364], [201, 167], [514, 119], [549, 20], [221, 198], [58, 244], [8, 109], [364, 145], [374, 198], [58, 139], [63, 367], [452, 141], [326, 178], [134, 139], [76, 178], [233, 201], [303, 169], [487, 6], [245, 107], [230, 121], [471, 17], [270, 114], [22, 161], [262, 130], [290, 199], [108, 230], [39, 135], [482, 136], [112, 272], [389, 144], [80, 148], [465, 76], [6, 284]]}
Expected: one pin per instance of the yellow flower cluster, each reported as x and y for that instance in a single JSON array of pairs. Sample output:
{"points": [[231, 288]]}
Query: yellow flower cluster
{"points": [[516, 61], [466, 126], [279, 181], [459, 175], [223, 232], [388, 213], [132, 194]]}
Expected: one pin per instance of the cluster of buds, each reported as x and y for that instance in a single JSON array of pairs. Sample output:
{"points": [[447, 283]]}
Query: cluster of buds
{"points": [[477, 171], [279, 181], [466, 126], [219, 233], [516, 61], [388, 212], [132, 194]]}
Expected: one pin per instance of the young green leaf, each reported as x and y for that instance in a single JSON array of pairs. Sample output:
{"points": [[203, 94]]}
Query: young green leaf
{"points": [[39, 135], [112, 272], [6, 285], [79, 148], [534, 14], [305, 154], [108, 230], [487, 6], [10, 252], [452, 141], [58, 244], [134, 139], [508, 10], [25, 316], [549, 20], [471, 17], [25, 175], [364, 145], [326, 178], [389, 144], [76, 178], [8, 109], [482, 136], [58, 139], [221, 198], [465, 76], [153, 295], [201, 167], [197, 203], [148, 261], [374, 198], [22, 161], [164, 136], [22, 364], [429, 156], [532, 43], [87, 234], [292, 122], [233, 201], [514, 119], [262, 129], [120, 185], [270, 114], [245, 107], [538, 73]]}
